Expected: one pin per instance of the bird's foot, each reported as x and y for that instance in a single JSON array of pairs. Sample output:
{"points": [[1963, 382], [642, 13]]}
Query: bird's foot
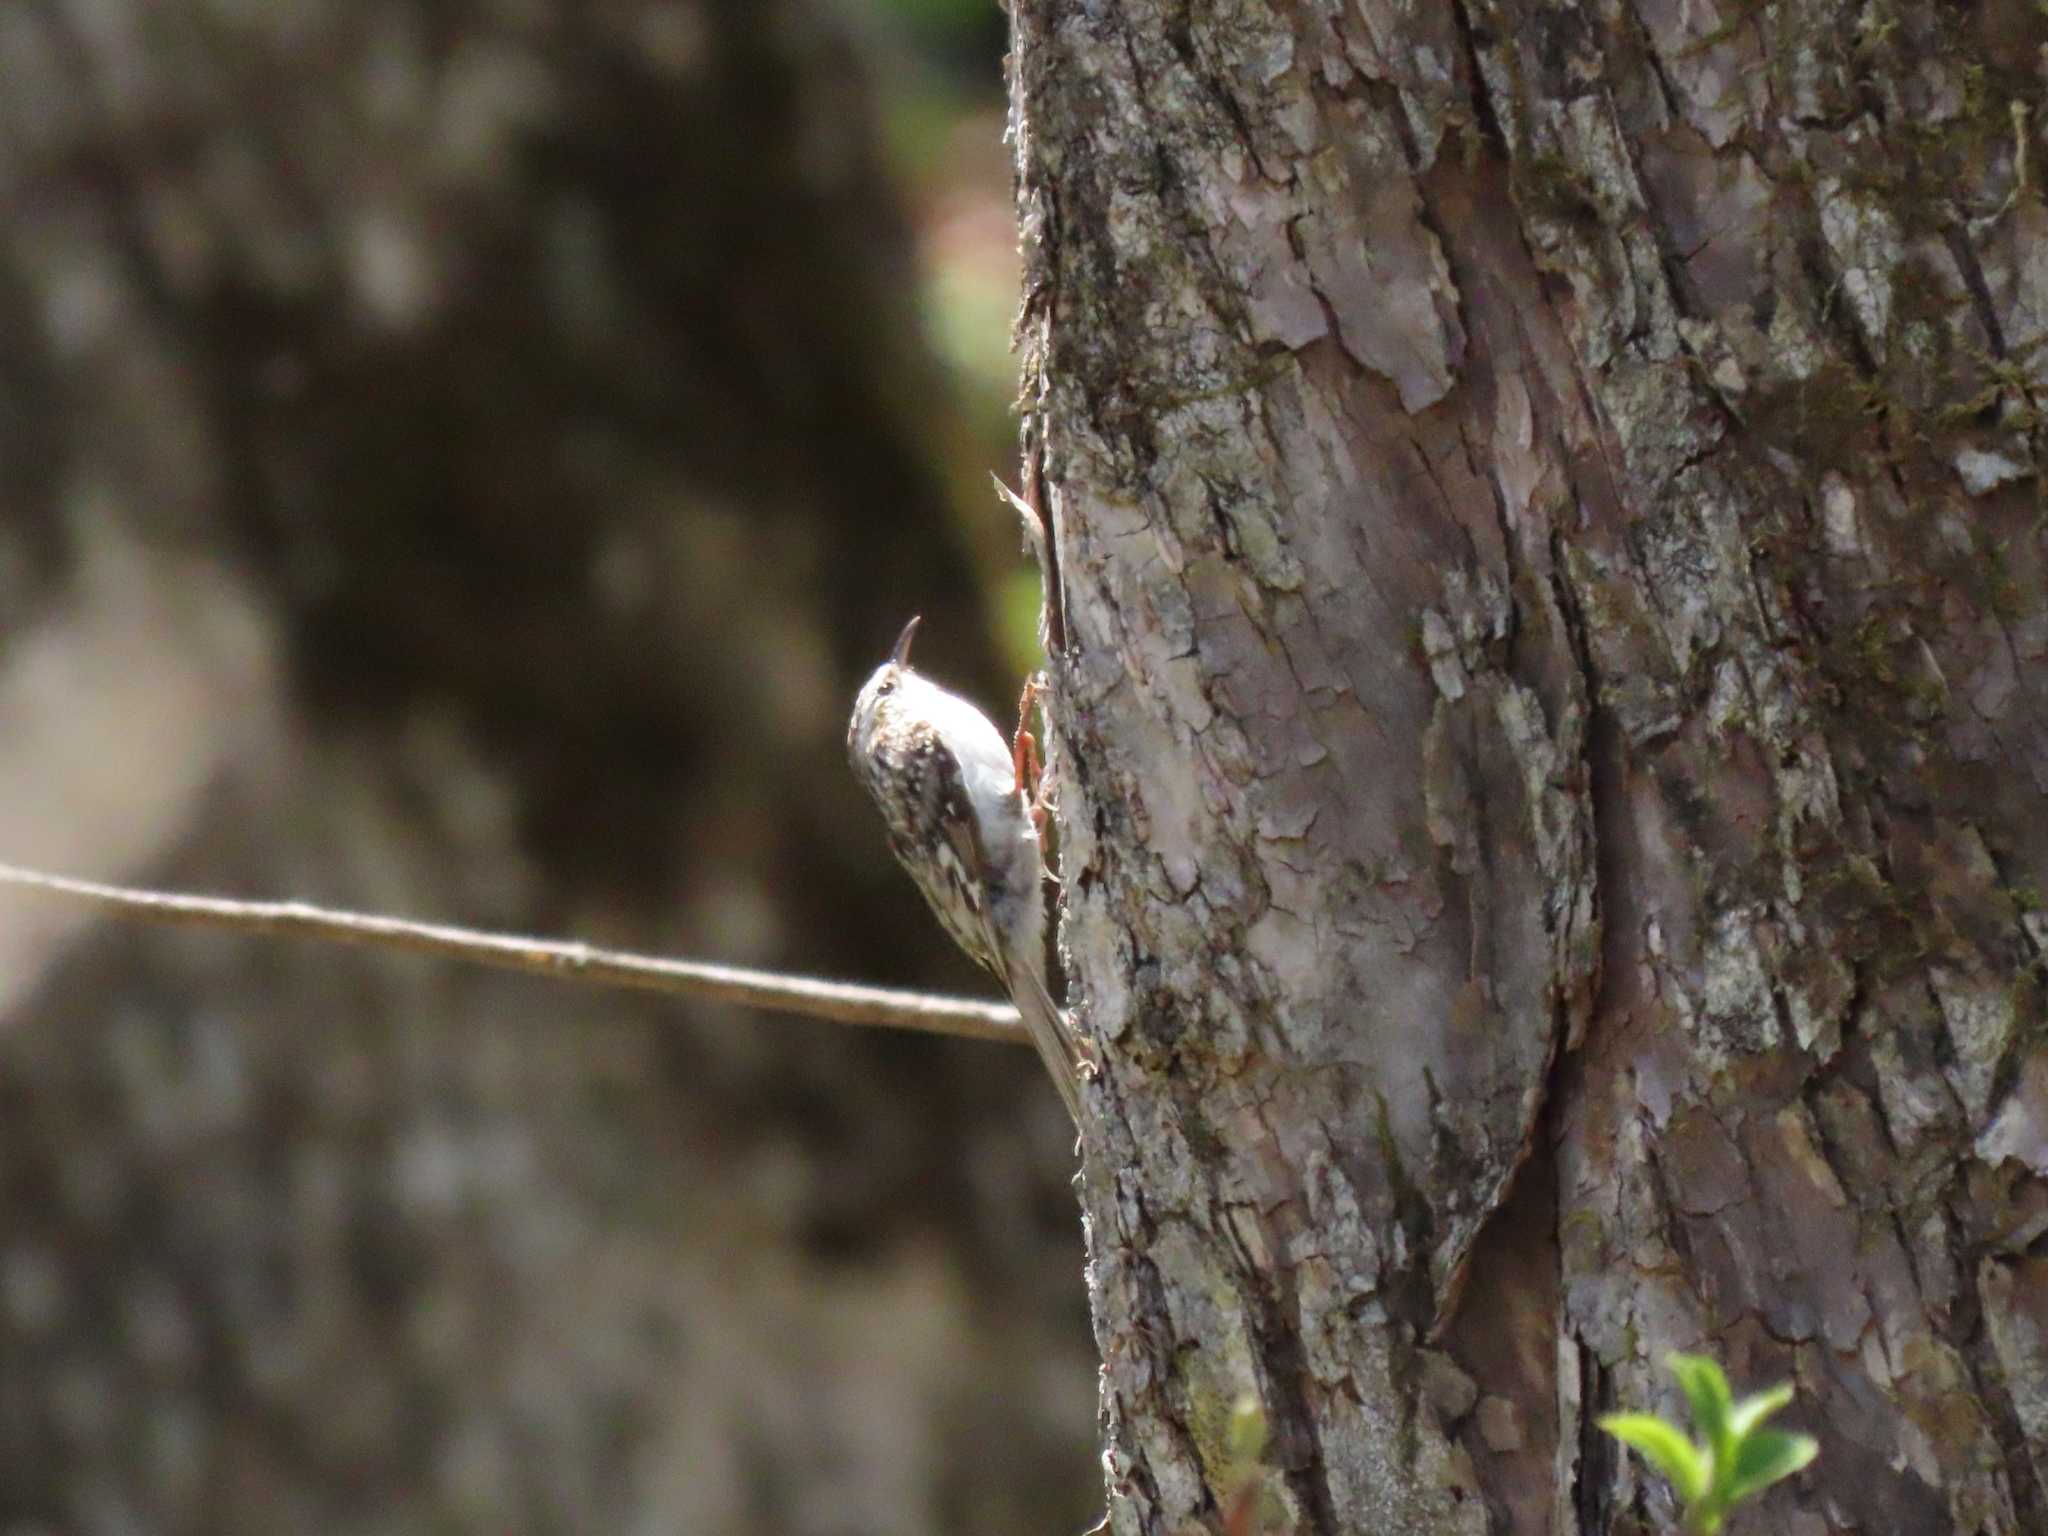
{"points": [[1029, 765]]}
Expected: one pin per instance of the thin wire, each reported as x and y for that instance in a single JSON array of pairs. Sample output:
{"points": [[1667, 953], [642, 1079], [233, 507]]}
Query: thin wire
{"points": [[809, 997]]}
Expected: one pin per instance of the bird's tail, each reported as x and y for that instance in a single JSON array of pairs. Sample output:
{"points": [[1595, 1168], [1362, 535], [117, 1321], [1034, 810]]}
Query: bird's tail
{"points": [[1065, 1057]]}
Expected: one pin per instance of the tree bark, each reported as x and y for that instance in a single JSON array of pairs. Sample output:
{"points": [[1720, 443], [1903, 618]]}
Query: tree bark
{"points": [[1552, 741]]}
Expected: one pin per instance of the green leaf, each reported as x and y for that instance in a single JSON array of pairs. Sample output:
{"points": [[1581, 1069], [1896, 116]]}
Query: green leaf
{"points": [[1661, 1443], [1712, 1406], [1245, 1438], [1766, 1457], [1752, 1411]]}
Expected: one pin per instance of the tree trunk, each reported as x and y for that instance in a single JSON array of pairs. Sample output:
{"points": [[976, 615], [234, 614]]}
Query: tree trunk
{"points": [[1552, 741]]}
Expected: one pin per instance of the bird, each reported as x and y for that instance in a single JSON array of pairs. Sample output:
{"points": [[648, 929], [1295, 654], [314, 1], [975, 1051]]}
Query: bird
{"points": [[960, 822]]}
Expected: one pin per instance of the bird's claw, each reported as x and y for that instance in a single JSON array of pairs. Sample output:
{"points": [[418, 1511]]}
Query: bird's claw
{"points": [[1029, 765]]}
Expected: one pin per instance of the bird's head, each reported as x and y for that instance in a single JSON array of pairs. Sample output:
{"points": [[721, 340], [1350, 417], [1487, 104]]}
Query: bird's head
{"points": [[876, 693]]}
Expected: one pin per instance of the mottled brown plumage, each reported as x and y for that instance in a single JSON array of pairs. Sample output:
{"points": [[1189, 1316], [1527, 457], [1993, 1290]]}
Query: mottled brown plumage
{"points": [[960, 823]]}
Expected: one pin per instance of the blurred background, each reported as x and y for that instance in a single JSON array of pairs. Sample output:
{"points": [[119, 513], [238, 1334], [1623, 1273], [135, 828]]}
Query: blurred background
{"points": [[458, 458]]}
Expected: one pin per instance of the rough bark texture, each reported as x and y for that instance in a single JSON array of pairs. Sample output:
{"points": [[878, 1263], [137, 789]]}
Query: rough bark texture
{"points": [[1553, 740], [459, 460]]}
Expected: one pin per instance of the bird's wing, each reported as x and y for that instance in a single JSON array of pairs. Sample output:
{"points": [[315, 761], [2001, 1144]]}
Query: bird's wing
{"points": [[964, 860], [1024, 978]]}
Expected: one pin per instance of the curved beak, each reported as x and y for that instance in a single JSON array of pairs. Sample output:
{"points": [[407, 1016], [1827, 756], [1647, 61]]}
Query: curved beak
{"points": [[901, 655]]}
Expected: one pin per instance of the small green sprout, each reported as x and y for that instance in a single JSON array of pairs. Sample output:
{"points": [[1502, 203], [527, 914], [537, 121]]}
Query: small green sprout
{"points": [[1740, 1458]]}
